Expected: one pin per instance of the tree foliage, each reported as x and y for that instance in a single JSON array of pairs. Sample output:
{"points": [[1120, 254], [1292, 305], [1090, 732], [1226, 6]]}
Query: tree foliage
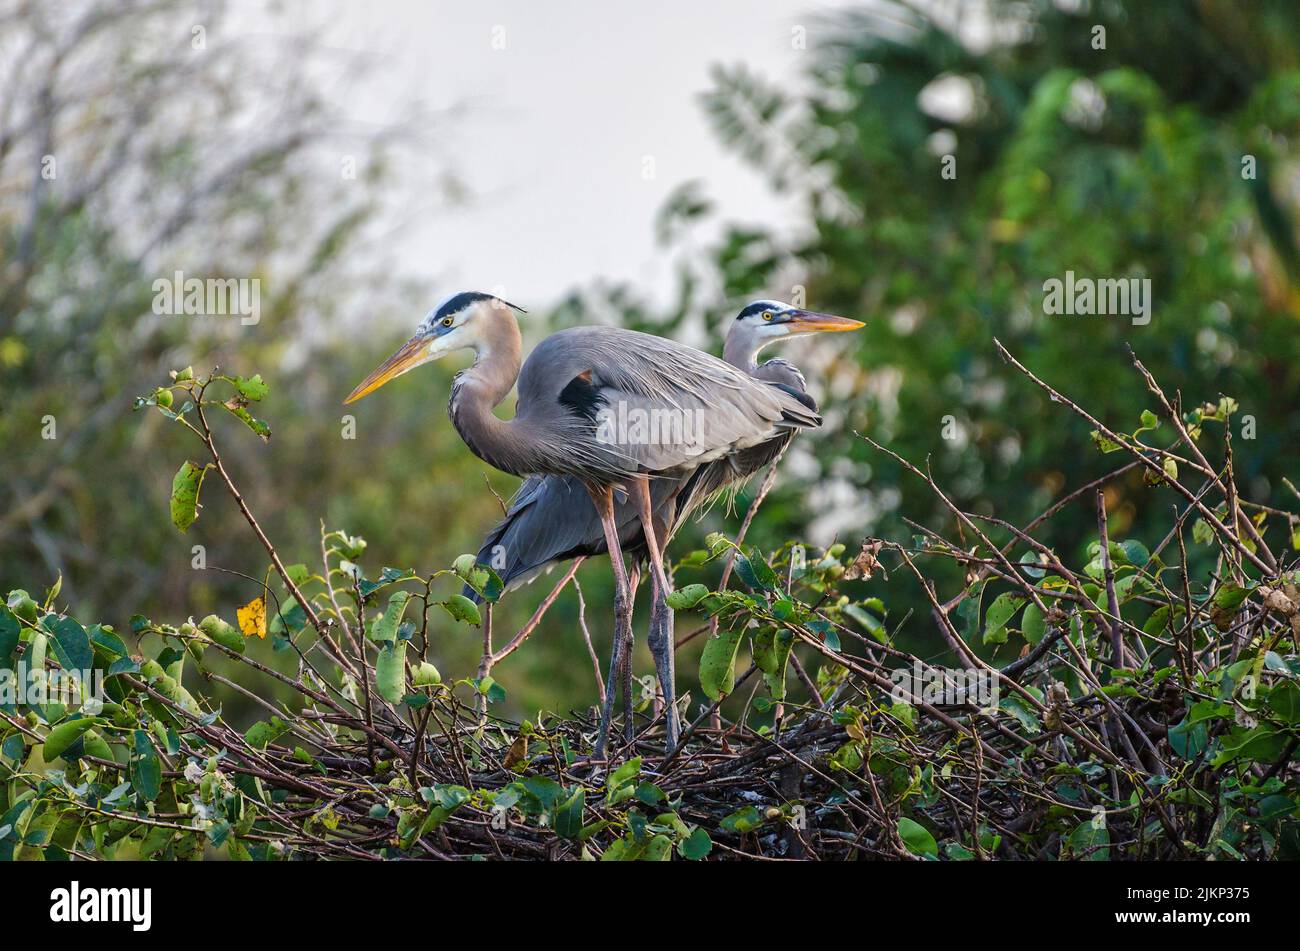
{"points": [[1152, 711]]}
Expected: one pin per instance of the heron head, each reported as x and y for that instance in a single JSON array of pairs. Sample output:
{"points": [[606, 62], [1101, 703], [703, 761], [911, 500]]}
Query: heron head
{"points": [[765, 321], [463, 321]]}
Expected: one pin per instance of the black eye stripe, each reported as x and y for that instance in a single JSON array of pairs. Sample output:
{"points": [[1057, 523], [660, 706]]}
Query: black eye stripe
{"points": [[459, 302], [758, 307]]}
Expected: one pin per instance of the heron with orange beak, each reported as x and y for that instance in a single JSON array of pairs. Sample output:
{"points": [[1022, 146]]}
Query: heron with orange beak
{"points": [[566, 389]]}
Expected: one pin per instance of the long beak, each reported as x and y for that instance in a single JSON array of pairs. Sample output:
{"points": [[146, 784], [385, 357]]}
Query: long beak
{"points": [[414, 352], [805, 321]]}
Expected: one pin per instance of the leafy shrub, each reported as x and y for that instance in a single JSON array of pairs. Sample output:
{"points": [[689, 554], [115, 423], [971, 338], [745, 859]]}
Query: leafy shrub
{"points": [[1152, 710]]}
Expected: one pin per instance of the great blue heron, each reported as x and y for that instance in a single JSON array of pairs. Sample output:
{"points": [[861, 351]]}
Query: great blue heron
{"points": [[551, 519], [614, 408]]}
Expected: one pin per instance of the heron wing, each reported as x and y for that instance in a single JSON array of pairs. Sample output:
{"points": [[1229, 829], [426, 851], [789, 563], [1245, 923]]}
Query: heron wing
{"points": [[786, 374], [652, 404]]}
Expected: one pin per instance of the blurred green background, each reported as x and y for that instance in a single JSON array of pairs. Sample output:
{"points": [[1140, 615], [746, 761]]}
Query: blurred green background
{"points": [[1169, 154]]}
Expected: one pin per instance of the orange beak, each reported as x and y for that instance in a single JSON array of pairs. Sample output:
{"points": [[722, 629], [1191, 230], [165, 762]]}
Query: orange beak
{"points": [[806, 321], [413, 353]]}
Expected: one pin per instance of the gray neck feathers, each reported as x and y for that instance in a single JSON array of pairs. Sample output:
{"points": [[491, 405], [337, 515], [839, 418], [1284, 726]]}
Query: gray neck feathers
{"points": [[741, 350], [482, 387]]}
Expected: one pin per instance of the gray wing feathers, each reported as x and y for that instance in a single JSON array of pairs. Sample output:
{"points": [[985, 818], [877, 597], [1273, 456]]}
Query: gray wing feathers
{"points": [[750, 419], [705, 407]]}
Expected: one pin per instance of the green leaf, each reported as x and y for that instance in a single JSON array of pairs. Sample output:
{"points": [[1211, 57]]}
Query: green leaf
{"points": [[64, 735], [390, 670], [1263, 744], [999, 614], [868, 621], [489, 688], [1275, 807], [485, 582], [658, 849], [917, 838], [36, 647], [1019, 708], [685, 598], [1156, 623], [771, 650], [251, 388], [259, 426], [742, 820], [185, 494], [968, 611], [621, 783], [22, 605], [1136, 553], [755, 572], [1032, 624], [445, 795], [462, 609], [71, 643], [545, 791], [696, 846], [107, 641], [264, 732], [567, 821], [385, 626], [1090, 835], [1284, 700], [1103, 443], [13, 749], [1031, 566], [1188, 739], [718, 663], [763, 648], [146, 770], [10, 632], [222, 632], [425, 675], [650, 794], [1230, 596]]}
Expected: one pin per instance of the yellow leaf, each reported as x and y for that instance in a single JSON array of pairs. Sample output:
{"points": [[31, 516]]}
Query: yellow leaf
{"points": [[252, 618]]}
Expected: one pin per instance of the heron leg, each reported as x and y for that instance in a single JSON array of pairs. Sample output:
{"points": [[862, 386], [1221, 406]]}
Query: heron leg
{"points": [[629, 646], [660, 639], [603, 498]]}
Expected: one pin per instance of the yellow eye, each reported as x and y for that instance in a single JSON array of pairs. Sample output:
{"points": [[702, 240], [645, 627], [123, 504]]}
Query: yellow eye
{"points": [[447, 321], [767, 315]]}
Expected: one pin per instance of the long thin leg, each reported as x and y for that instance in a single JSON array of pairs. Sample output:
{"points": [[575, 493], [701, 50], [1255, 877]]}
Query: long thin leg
{"points": [[629, 647], [603, 498], [661, 645], [611, 680], [665, 649]]}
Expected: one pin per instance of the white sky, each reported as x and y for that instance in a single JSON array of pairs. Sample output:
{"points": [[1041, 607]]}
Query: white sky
{"points": [[551, 132]]}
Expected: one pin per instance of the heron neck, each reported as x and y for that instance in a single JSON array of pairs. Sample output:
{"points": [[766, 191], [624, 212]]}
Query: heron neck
{"points": [[480, 389], [741, 351]]}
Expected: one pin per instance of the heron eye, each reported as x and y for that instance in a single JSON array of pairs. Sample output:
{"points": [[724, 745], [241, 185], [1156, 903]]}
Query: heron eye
{"points": [[447, 321], [767, 315]]}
